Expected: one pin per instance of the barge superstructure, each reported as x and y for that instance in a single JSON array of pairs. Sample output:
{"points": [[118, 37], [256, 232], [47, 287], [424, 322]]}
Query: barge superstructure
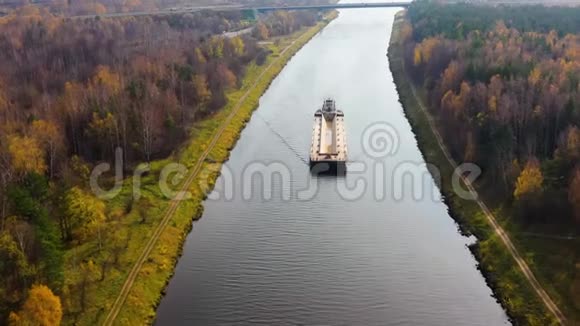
{"points": [[328, 138]]}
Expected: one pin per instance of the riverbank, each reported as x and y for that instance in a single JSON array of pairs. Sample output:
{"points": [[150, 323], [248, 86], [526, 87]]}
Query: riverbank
{"points": [[150, 232], [512, 289]]}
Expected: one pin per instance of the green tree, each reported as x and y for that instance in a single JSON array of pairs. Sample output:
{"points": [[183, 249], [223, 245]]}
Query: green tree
{"points": [[27, 199], [15, 270]]}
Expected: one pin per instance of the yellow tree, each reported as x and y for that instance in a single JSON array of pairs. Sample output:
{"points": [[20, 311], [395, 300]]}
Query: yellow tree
{"points": [[42, 307], [451, 77], [535, 76], [26, 155], [424, 50], [238, 46], [417, 56], [199, 57], [202, 91], [84, 213], [530, 180], [500, 28], [552, 38], [107, 81], [492, 104], [104, 130], [463, 97], [47, 134], [217, 47]]}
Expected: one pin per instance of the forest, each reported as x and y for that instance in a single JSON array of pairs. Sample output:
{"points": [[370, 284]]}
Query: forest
{"points": [[73, 92], [90, 7], [503, 83]]}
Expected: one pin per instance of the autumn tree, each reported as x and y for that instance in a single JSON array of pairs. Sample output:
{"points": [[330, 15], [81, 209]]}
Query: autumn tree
{"points": [[425, 50], [237, 45], [216, 47], [106, 82], [199, 57], [26, 154], [42, 307], [103, 127], [261, 31], [84, 214], [535, 76], [202, 92], [452, 77], [47, 134], [226, 76], [89, 273], [406, 33], [16, 270], [495, 89], [530, 181], [569, 144]]}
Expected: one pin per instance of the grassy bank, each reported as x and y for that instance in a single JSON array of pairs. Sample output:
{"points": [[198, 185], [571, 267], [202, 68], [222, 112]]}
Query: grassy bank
{"points": [[99, 275], [500, 270]]}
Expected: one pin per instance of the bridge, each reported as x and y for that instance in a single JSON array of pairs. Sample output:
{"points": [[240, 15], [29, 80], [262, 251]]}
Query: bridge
{"points": [[255, 9], [335, 6]]}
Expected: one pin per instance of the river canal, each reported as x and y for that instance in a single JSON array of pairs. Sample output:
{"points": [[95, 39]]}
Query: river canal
{"points": [[331, 255]]}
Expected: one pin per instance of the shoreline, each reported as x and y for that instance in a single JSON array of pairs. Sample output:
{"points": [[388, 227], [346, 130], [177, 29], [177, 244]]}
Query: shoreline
{"points": [[509, 286], [169, 248]]}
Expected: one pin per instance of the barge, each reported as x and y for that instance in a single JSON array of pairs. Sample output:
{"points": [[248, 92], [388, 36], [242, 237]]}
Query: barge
{"points": [[328, 152]]}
